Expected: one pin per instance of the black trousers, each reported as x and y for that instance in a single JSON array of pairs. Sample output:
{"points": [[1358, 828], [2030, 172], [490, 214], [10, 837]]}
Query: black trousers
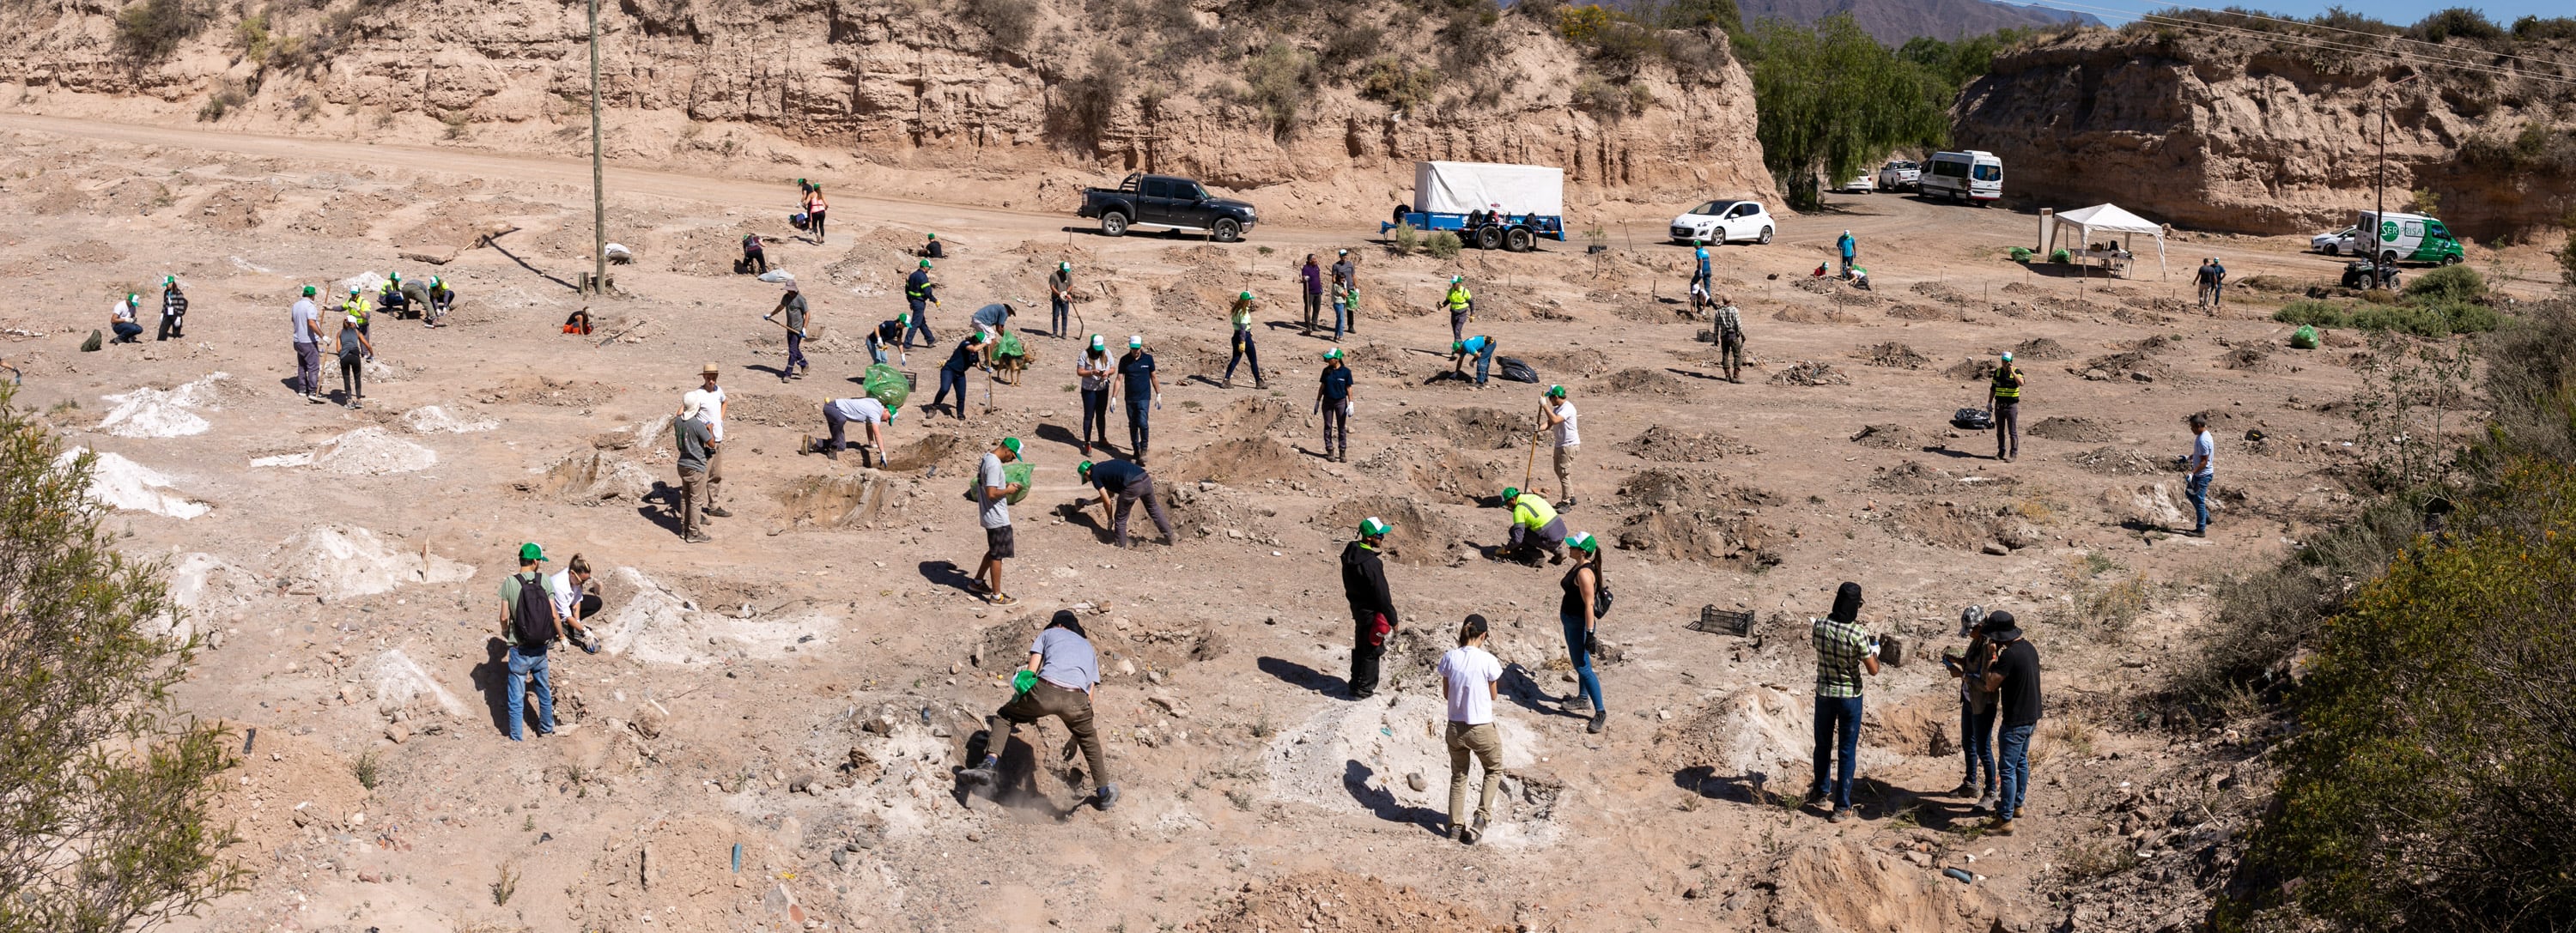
{"points": [[1364, 656]]}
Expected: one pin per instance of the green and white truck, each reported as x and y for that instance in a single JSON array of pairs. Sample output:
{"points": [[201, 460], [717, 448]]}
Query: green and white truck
{"points": [[2395, 238]]}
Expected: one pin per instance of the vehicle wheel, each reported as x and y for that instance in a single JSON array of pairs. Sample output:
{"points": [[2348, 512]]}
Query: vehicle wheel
{"points": [[1227, 231], [2388, 258], [2450, 260], [2331, 249], [1489, 237], [1765, 238], [1519, 240], [1113, 224]]}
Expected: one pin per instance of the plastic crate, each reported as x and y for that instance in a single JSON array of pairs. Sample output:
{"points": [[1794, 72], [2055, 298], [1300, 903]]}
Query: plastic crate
{"points": [[1718, 621]]}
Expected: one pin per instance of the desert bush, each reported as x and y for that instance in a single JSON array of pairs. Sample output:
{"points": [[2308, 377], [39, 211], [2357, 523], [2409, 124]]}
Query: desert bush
{"points": [[2267, 615], [2424, 201], [1349, 43], [2311, 312], [229, 93], [2567, 254], [1722, 15], [1442, 244], [2448, 283], [252, 33], [2458, 22], [1009, 22], [1400, 87], [1622, 47], [2336, 17], [1581, 24], [2537, 29], [1085, 105], [1468, 34], [1279, 80], [2531, 381], [1696, 54], [151, 29], [2422, 319], [1601, 98], [1404, 239]]}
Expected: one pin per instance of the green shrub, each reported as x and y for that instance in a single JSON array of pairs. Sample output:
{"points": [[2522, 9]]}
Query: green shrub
{"points": [[2311, 312], [1602, 98], [151, 29], [1279, 80], [1442, 245], [2567, 254], [1349, 43], [1085, 105], [2448, 283], [2471, 319], [2404, 318], [228, 95], [2458, 22], [1404, 239], [2536, 29], [1400, 87], [1009, 22]]}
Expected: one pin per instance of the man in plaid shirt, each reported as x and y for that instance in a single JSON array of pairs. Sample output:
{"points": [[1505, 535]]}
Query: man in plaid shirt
{"points": [[1843, 651]]}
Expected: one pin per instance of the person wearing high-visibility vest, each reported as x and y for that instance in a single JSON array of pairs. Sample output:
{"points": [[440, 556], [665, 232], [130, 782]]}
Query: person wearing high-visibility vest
{"points": [[1241, 317], [1535, 527], [2005, 402], [356, 309], [920, 293], [1461, 307]]}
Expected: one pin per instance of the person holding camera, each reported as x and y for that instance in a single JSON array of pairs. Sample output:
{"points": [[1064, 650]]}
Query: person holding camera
{"points": [[1843, 652], [1976, 709], [2012, 673]]}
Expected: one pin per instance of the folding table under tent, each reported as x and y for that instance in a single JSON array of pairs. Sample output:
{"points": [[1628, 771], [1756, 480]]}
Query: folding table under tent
{"points": [[2110, 219]]}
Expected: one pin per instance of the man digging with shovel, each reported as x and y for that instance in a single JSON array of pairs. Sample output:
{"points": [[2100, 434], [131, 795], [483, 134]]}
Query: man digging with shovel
{"points": [[1057, 681]]}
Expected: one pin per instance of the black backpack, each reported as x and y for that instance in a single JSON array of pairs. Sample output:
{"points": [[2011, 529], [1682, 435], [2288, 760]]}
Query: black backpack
{"points": [[533, 618], [1600, 595]]}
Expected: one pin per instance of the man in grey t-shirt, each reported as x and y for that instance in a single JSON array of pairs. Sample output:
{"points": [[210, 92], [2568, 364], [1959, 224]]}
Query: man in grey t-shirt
{"points": [[993, 492], [793, 305], [1056, 682]]}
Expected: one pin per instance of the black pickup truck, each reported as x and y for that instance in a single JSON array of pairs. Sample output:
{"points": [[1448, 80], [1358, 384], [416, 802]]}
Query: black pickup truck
{"points": [[1166, 201]]}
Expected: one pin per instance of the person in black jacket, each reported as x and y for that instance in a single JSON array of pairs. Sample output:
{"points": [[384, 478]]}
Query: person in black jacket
{"points": [[1373, 618], [174, 309]]}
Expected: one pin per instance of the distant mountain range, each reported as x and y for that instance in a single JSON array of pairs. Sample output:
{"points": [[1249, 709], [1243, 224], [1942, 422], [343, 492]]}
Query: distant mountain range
{"points": [[1893, 21]]}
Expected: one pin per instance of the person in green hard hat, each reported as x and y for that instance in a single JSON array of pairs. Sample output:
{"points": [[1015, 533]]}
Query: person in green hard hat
{"points": [[1461, 306], [1241, 317], [306, 320], [1129, 482], [1062, 671], [174, 310], [390, 297], [1535, 528], [358, 308], [442, 299], [1557, 414], [888, 335], [1482, 348], [1333, 401], [930, 248], [1060, 300], [993, 492], [1373, 618], [1095, 370], [920, 293]]}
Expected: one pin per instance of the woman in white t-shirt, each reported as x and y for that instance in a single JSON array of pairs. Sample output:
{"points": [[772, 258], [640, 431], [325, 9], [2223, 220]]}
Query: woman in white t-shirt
{"points": [[1470, 677]]}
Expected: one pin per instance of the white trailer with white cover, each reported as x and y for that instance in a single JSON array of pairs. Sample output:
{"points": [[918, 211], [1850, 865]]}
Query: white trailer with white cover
{"points": [[1489, 205]]}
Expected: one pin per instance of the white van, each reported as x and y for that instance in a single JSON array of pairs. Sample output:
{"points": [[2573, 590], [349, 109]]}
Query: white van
{"points": [[1966, 176], [2396, 237]]}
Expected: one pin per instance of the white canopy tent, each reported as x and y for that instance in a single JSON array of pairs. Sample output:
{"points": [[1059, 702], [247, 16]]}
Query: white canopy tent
{"points": [[2109, 221]]}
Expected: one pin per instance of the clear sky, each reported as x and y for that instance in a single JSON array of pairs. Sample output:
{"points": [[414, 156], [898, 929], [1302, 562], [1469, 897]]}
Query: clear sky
{"points": [[2504, 12]]}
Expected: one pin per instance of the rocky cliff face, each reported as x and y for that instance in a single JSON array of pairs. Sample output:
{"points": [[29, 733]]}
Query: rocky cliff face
{"points": [[994, 101], [2253, 136]]}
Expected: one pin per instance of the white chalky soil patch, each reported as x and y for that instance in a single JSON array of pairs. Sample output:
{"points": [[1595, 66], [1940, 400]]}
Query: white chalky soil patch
{"points": [[124, 484], [150, 412], [364, 452]]}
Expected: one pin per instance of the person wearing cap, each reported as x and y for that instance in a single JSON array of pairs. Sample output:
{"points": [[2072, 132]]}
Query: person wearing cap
{"points": [[814, 209], [1373, 618], [354, 350], [2012, 673], [711, 409], [837, 415], [930, 248], [1535, 527], [527, 659], [1976, 711], [1848, 247], [1241, 317], [1057, 681], [2003, 399], [357, 306], [1310, 281], [993, 492], [919, 293], [174, 310], [1481, 347], [1461, 305], [1060, 300], [306, 322], [1556, 413], [1129, 482], [1575, 613], [390, 297], [1471, 680], [755, 257], [791, 302], [442, 299], [120, 319], [1333, 400], [1094, 371], [970, 354], [1143, 391], [1843, 652], [1345, 296], [696, 443], [2200, 471], [889, 334]]}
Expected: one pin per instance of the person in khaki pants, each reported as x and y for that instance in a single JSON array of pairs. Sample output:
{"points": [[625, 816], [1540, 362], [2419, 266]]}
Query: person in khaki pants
{"points": [[1556, 414], [696, 446], [1471, 678], [1062, 670], [710, 403]]}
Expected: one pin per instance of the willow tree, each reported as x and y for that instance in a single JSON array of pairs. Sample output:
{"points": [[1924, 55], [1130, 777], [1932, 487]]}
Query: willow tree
{"points": [[1831, 99]]}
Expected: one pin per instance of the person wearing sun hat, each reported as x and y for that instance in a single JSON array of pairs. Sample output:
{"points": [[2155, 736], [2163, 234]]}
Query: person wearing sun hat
{"points": [[993, 492], [1129, 482], [1535, 527], [1143, 392], [1333, 401], [1060, 300], [1241, 316], [1461, 306], [1373, 618], [2004, 399], [1094, 371], [696, 446]]}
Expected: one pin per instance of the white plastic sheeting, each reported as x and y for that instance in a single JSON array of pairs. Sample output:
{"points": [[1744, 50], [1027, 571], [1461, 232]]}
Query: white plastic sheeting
{"points": [[1460, 187]]}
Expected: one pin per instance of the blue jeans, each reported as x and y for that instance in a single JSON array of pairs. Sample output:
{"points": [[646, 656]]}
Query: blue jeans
{"points": [[948, 378], [1139, 409], [1341, 318], [1059, 315], [876, 349], [1244, 351], [1977, 744], [126, 331], [1586, 682], [1836, 714], [2198, 490], [521, 665], [1484, 362], [2016, 762]]}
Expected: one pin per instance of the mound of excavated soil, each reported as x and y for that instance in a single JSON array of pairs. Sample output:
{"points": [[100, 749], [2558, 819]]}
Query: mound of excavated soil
{"points": [[2133, 366], [1422, 536], [1441, 471], [1313, 762], [150, 412], [1249, 417], [1976, 369], [1938, 292], [1810, 373], [1893, 355], [1697, 516], [1672, 445], [340, 562], [1207, 511], [1470, 428], [655, 624], [401, 683], [433, 419], [930, 450], [591, 477], [1909, 477], [2119, 461], [1889, 437], [283, 787], [1330, 901], [1128, 647], [840, 501], [1563, 365], [120, 483], [2076, 429], [1638, 379], [1240, 461], [2021, 288], [1914, 312], [366, 451], [1752, 731], [2040, 348], [547, 390], [1801, 314]]}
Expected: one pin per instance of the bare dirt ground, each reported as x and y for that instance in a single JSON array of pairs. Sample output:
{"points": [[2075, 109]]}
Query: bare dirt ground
{"points": [[801, 690]]}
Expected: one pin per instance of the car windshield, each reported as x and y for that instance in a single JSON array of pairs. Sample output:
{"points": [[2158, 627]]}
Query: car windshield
{"points": [[2435, 228], [1712, 208]]}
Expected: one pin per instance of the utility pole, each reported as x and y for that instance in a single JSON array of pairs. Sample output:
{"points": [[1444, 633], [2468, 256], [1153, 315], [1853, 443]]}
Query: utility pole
{"points": [[2378, 218], [598, 193]]}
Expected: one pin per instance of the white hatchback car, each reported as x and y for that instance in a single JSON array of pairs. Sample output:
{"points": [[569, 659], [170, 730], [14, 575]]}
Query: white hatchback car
{"points": [[2333, 244], [1724, 222]]}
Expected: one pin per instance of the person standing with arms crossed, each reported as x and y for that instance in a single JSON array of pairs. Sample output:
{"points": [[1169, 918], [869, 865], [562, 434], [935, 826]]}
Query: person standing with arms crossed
{"points": [[1556, 413], [2004, 397], [2202, 471], [2012, 672], [1240, 316], [307, 322], [1373, 618], [1843, 652], [993, 510], [1060, 300], [792, 303], [1333, 400], [1346, 310], [1095, 372], [1471, 680], [1310, 281], [1576, 613], [1143, 392]]}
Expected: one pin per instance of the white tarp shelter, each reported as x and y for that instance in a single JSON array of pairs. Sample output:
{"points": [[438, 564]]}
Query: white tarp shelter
{"points": [[2109, 222], [1460, 187]]}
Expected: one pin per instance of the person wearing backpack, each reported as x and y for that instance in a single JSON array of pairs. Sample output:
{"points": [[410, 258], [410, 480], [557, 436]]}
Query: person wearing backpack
{"points": [[529, 626], [1586, 598]]}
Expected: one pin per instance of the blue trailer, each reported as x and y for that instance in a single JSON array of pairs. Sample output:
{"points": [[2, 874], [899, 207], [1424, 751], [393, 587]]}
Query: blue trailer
{"points": [[1488, 205]]}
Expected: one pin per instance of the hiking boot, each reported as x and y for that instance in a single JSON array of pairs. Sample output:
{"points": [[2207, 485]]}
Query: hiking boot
{"points": [[1556, 558], [979, 778], [1965, 789], [2001, 826], [1569, 503], [315, 399], [1457, 833], [1841, 815], [1259, 383], [1985, 803], [829, 454], [1472, 835], [1600, 722], [1579, 705], [1227, 384], [697, 537], [1107, 798], [717, 512], [1815, 795]]}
